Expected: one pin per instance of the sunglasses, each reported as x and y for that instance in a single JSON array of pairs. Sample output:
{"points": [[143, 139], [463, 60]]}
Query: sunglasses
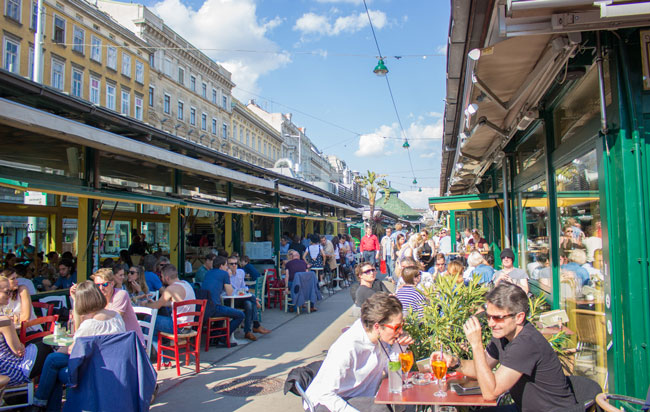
{"points": [[103, 285], [365, 272], [499, 318], [395, 328], [233, 263], [134, 272]]}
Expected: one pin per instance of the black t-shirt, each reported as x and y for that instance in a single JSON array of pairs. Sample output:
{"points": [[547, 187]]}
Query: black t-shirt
{"points": [[294, 266], [543, 386], [360, 293], [298, 247]]}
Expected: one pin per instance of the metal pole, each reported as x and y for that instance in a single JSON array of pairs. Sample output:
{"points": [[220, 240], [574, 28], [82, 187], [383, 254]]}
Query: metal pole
{"points": [[37, 72], [506, 211]]}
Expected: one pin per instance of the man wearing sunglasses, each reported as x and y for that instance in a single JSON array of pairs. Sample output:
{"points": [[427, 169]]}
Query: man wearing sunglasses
{"points": [[349, 377], [530, 369], [368, 284]]}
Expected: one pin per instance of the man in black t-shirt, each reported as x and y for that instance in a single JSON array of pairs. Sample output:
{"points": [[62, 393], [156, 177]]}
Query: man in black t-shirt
{"points": [[529, 369]]}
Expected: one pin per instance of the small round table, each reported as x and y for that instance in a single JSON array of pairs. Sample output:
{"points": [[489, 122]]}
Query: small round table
{"points": [[61, 341], [233, 297]]}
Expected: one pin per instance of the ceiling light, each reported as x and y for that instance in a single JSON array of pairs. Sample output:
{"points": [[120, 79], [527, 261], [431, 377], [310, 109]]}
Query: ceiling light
{"points": [[380, 68]]}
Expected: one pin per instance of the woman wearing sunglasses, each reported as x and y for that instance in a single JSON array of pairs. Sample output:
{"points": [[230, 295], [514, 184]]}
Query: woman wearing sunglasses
{"points": [[136, 285]]}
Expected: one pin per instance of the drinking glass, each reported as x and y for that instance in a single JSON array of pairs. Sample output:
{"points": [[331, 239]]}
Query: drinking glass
{"points": [[439, 368], [406, 360], [394, 377]]}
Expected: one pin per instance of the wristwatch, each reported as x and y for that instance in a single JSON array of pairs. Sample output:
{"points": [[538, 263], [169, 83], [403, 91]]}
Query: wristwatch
{"points": [[455, 366]]}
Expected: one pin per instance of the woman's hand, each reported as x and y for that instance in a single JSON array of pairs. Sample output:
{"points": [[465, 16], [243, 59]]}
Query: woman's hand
{"points": [[405, 339], [136, 286]]}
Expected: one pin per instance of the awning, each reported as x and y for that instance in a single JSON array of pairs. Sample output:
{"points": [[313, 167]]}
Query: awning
{"points": [[465, 202], [564, 199]]}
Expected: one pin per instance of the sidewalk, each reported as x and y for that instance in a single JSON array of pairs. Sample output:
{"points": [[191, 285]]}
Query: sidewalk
{"points": [[295, 340]]}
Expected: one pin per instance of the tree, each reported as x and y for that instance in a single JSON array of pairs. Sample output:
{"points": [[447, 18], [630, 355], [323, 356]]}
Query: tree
{"points": [[373, 182]]}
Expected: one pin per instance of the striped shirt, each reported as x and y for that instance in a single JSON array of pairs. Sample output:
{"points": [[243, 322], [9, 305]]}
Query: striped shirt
{"points": [[411, 298]]}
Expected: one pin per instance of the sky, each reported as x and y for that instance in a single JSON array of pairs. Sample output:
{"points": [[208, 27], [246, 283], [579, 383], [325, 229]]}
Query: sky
{"points": [[314, 59]]}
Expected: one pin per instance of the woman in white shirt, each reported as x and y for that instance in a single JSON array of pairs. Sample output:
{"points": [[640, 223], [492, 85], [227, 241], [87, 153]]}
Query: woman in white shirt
{"points": [[91, 319]]}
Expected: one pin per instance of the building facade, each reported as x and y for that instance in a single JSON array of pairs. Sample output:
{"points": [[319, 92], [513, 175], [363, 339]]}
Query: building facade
{"points": [[85, 53], [253, 139], [189, 94]]}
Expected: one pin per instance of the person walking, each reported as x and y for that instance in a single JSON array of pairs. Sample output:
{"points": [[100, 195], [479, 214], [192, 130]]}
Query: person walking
{"points": [[387, 252], [369, 246]]}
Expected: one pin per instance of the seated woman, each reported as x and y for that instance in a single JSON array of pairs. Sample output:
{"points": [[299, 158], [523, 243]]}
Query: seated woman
{"points": [[20, 302], [21, 364], [119, 275], [410, 297], [91, 319], [455, 269], [136, 285]]}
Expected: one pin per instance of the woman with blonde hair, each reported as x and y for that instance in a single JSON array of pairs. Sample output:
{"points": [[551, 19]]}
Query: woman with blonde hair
{"points": [[455, 269]]}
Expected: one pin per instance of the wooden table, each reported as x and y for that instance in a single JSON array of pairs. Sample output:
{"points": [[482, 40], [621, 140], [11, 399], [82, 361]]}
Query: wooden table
{"points": [[423, 395]]}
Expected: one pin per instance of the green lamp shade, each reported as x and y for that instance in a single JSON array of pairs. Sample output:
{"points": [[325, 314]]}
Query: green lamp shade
{"points": [[380, 69], [406, 144], [415, 181], [420, 189]]}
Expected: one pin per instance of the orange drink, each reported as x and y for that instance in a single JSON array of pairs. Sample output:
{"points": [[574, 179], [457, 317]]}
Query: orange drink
{"points": [[406, 360], [439, 368]]}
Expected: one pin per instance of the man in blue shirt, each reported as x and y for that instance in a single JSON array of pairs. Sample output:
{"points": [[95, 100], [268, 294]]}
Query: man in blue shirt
{"points": [[153, 281], [250, 269], [65, 279], [577, 258], [217, 281], [205, 267]]}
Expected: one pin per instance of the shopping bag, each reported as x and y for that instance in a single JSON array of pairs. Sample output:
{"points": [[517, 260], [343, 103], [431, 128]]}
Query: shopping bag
{"points": [[382, 267]]}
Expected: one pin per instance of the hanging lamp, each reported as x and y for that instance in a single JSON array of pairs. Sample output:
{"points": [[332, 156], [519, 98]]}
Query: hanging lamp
{"points": [[380, 68], [415, 181], [406, 144]]}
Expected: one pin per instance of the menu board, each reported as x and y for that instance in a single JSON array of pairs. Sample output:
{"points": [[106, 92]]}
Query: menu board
{"points": [[259, 250]]}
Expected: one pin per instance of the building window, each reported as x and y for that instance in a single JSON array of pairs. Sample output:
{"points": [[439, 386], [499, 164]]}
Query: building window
{"points": [[252, 142], [259, 145], [58, 67], [204, 121], [214, 126], [139, 72], [110, 96], [58, 36], [96, 49], [214, 96], [152, 60], [77, 82], [264, 146], [192, 116], [167, 67], [167, 104], [111, 57], [126, 103], [30, 62], [94, 90], [34, 18], [247, 137], [138, 107], [11, 56], [180, 110], [224, 131], [241, 135], [193, 83], [12, 9], [181, 75], [126, 65], [224, 102], [78, 39], [151, 90], [204, 90], [234, 130]]}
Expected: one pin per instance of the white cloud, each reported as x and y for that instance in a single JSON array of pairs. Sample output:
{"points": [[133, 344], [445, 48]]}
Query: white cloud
{"points": [[220, 26], [342, 1], [424, 139], [442, 49], [371, 145], [322, 25], [419, 200]]}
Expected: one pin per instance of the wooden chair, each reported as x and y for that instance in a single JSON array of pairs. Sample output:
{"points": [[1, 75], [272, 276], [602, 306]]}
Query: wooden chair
{"points": [[213, 331], [147, 321], [186, 335], [48, 323], [590, 328], [47, 309]]}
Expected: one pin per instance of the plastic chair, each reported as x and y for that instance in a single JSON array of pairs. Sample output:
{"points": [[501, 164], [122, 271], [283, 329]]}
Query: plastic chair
{"points": [[59, 301], [183, 334], [147, 326], [47, 309], [50, 321]]}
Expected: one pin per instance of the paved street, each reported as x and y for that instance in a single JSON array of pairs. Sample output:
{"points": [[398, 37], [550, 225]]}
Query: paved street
{"points": [[295, 340]]}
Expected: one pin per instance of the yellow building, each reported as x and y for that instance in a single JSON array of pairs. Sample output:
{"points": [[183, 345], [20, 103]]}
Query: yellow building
{"points": [[253, 139], [85, 53]]}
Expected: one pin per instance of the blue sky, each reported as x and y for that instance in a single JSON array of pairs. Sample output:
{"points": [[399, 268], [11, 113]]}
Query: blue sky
{"points": [[314, 58]]}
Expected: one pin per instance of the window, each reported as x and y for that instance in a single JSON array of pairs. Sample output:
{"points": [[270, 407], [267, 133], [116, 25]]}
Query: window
{"points": [[214, 96], [247, 137], [180, 110], [241, 135], [151, 90], [181, 75], [192, 116], [30, 68], [94, 90], [111, 57], [11, 56], [58, 68], [34, 18], [138, 107], [78, 39], [214, 126], [139, 72], [125, 103], [152, 60], [167, 67], [77, 82], [167, 103], [204, 121], [224, 131], [59, 30], [224, 102], [192, 83], [110, 96], [234, 130], [126, 65], [252, 142], [96, 49], [264, 146], [259, 144], [12, 9], [204, 90]]}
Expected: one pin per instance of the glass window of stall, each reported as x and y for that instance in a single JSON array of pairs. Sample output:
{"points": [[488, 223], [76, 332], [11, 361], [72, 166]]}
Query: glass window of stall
{"points": [[534, 236]]}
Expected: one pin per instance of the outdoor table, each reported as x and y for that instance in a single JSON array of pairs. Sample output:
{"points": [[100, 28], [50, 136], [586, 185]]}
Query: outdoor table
{"points": [[423, 395], [552, 330], [233, 297], [60, 341]]}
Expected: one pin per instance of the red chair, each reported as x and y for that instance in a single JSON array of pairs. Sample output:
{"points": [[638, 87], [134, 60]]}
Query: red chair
{"points": [[47, 309], [184, 333], [275, 288], [48, 323], [221, 331]]}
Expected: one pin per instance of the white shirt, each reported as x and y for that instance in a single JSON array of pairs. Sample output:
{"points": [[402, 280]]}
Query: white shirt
{"points": [[238, 281], [28, 284], [445, 245], [94, 327], [591, 244], [354, 367]]}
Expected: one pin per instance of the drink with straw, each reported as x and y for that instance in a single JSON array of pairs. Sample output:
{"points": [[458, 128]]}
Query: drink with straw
{"points": [[406, 360], [394, 376]]}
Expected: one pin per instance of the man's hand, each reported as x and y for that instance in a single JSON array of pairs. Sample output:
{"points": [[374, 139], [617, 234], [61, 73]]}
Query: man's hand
{"points": [[472, 330]]}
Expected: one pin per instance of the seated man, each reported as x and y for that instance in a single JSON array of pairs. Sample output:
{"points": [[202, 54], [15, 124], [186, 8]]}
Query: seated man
{"points": [[530, 369], [249, 268], [293, 265], [65, 279], [176, 291], [349, 377], [205, 267], [249, 305], [153, 281], [217, 281]]}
